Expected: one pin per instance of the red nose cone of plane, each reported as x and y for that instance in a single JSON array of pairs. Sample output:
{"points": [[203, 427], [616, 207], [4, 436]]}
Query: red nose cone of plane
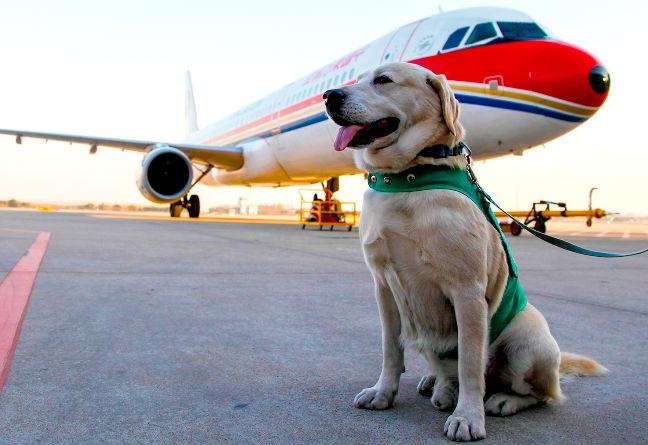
{"points": [[551, 68], [566, 72]]}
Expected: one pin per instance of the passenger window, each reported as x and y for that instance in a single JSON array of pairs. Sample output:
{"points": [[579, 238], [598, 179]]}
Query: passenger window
{"points": [[455, 38], [483, 31]]}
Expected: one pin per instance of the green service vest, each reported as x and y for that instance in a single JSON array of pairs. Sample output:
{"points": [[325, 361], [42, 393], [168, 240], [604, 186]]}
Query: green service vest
{"points": [[430, 177]]}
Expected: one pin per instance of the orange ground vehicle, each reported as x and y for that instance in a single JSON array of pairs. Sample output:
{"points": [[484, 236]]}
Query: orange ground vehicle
{"points": [[329, 211]]}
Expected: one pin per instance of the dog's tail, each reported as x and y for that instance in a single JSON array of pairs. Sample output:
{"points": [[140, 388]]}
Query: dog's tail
{"points": [[580, 365]]}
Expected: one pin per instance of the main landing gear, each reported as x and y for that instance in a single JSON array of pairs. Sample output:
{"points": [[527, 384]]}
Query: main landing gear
{"points": [[192, 204]]}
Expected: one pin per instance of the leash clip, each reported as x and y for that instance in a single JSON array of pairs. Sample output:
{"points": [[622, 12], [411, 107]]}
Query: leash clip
{"points": [[471, 173]]}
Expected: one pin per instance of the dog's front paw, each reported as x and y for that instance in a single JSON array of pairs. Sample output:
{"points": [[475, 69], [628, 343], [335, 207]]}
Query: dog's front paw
{"points": [[374, 398], [463, 427]]}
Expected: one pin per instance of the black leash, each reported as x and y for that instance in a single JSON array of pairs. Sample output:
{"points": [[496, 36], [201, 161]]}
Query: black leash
{"points": [[561, 243]]}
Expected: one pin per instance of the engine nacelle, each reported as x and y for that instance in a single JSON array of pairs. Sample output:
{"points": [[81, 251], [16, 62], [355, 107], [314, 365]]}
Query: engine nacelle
{"points": [[165, 175]]}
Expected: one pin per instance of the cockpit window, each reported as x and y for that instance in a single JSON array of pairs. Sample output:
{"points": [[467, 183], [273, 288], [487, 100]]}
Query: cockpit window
{"points": [[487, 33], [455, 38], [483, 31], [521, 31]]}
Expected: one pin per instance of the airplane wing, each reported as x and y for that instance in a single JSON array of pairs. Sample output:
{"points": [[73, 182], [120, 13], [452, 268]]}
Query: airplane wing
{"points": [[226, 157]]}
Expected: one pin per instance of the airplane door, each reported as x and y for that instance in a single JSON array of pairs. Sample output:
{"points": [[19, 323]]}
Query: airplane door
{"points": [[397, 43]]}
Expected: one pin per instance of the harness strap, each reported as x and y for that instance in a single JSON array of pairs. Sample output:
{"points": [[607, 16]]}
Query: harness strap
{"points": [[429, 177]]}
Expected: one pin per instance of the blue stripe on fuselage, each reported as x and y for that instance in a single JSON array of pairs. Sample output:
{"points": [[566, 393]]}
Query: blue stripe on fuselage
{"points": [[462, 98], [286, 128], [516, 106]]}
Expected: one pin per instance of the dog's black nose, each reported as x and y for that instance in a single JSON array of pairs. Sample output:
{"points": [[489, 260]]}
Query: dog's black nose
{"points": [[334, 97]]}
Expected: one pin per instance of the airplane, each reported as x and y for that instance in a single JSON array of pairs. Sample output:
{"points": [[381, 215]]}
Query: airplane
{"points": [[519, 86]]}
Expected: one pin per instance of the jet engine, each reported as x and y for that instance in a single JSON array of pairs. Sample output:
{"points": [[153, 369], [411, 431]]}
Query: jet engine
{"points": [[165, 175]]}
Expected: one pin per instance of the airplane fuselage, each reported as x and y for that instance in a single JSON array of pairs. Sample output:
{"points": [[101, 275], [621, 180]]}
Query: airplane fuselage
{"points": [[518, 86]]}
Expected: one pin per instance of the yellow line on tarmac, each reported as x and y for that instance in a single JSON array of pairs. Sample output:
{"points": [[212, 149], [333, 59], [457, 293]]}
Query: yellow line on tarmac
{"points": [[202, 219]]}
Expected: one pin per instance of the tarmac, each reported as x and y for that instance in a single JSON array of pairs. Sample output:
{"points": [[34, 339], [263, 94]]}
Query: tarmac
{"points": [[155, 331]]}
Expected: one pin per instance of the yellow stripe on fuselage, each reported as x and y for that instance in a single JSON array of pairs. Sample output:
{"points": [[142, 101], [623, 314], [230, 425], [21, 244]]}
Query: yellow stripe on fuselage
{"points": [[580, 110], [475, 88]]}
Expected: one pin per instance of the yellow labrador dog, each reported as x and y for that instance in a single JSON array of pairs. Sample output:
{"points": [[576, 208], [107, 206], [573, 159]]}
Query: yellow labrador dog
{"points": [[439, 266]]}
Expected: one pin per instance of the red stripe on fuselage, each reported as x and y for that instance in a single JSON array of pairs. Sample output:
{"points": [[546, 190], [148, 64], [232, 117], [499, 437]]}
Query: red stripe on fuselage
{"points": [[274, 116], [270, 117]]}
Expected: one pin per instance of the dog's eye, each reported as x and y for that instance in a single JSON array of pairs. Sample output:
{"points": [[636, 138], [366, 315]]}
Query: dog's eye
{"points": [[382, 79]]}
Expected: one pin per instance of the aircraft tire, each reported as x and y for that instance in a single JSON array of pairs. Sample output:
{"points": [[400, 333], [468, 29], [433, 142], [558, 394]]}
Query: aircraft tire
{"points": [[175, 209], [194, 206]]}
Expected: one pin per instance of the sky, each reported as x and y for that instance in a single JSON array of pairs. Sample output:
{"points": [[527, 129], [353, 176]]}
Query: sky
{"points": [[116, 69]]}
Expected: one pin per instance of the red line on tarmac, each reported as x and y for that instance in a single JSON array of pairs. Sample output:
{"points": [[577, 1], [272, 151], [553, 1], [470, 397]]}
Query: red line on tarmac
{"points": [[15, 291]]}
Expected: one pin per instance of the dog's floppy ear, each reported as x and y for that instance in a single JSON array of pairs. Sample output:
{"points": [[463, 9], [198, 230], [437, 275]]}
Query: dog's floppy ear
{"points": [[449, 105]]}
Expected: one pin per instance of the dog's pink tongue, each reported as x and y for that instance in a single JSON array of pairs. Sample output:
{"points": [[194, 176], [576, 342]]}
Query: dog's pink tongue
{"points": [[345, 135]]}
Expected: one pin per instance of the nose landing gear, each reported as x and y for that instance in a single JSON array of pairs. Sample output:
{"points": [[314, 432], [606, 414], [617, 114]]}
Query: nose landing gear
{"points": [[192, 204]]}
